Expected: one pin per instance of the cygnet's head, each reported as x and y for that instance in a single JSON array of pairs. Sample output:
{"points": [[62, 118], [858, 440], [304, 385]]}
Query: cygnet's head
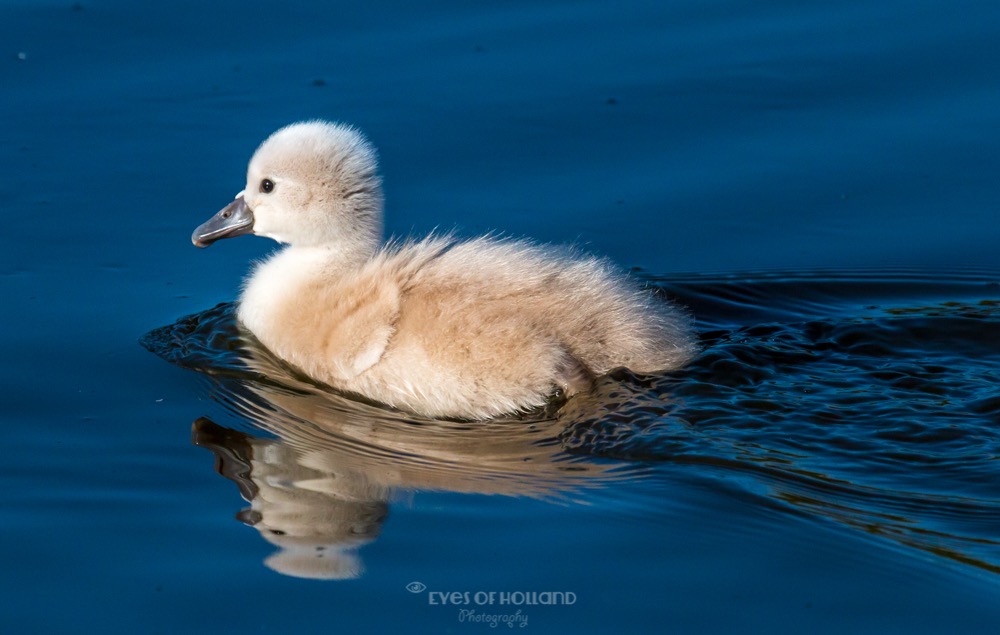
{"points": [[310, 183]]}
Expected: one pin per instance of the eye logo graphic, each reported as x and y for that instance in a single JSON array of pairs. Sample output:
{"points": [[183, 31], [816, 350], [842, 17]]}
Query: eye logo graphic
{"points": [[416, 587]]}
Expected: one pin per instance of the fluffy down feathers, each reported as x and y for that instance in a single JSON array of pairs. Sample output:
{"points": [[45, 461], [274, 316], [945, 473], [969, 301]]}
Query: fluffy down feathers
{"points": [[439, 327]]}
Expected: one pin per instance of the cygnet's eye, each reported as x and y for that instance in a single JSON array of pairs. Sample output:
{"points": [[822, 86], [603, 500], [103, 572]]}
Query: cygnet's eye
{"points": [[266, 186]]}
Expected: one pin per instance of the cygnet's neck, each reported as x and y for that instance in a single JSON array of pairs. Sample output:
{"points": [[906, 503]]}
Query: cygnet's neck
{"points": [[338, 254]]}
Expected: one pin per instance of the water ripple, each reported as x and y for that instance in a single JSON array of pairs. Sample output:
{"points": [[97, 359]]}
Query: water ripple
{"points": [[867, 399]]}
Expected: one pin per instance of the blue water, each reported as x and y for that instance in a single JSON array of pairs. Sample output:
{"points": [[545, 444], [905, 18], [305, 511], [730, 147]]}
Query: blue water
{"points": [[828, 464]]}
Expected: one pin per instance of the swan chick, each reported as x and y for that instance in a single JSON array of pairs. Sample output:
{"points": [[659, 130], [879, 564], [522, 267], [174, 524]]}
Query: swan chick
{"points": [[440, 327]]}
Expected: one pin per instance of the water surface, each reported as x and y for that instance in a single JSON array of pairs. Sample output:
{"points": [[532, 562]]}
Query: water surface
{"points": [[866, 400], [826, 465]]}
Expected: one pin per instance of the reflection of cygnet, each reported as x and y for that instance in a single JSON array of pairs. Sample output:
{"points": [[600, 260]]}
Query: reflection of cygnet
{"points": [[315, 515], [442, 328]]}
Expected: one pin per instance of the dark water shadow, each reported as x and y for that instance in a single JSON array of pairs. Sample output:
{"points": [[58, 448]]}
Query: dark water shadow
{"points": [[866, 399]]}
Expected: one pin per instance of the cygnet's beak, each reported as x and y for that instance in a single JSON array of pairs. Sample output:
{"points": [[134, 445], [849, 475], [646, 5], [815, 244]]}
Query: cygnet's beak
{"points": [[234, 219]]}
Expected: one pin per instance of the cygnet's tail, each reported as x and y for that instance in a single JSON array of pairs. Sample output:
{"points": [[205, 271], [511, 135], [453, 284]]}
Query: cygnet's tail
{"points": [[615, 323]]}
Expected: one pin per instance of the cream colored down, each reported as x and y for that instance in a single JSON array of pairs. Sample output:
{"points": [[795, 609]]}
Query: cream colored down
{"points": [[440, 327]]}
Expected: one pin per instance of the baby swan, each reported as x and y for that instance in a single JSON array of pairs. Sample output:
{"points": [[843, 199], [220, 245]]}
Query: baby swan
{"points": [[468, 329]]}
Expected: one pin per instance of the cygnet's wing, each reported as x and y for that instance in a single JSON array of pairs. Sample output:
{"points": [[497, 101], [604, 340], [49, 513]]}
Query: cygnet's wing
{"points": [[360, 320]]}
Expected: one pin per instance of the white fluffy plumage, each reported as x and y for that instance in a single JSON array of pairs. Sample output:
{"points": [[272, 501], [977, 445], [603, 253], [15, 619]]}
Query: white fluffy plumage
{"points": [[439, 327]]}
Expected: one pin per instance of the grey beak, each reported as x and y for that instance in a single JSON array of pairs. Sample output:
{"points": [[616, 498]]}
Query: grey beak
{"points": [[234, 219]]}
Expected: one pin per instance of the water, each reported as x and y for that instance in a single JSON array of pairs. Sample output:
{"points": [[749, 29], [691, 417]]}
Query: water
{"points": [[877, 417], [828, 463]]}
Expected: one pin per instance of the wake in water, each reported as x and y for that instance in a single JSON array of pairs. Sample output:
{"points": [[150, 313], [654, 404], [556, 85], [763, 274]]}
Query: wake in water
{"points": [[869, 399]]}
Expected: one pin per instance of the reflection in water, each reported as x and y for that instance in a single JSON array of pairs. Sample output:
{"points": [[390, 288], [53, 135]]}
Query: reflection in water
{"points": [[315, 514], [869, 400], [320, 482]]}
